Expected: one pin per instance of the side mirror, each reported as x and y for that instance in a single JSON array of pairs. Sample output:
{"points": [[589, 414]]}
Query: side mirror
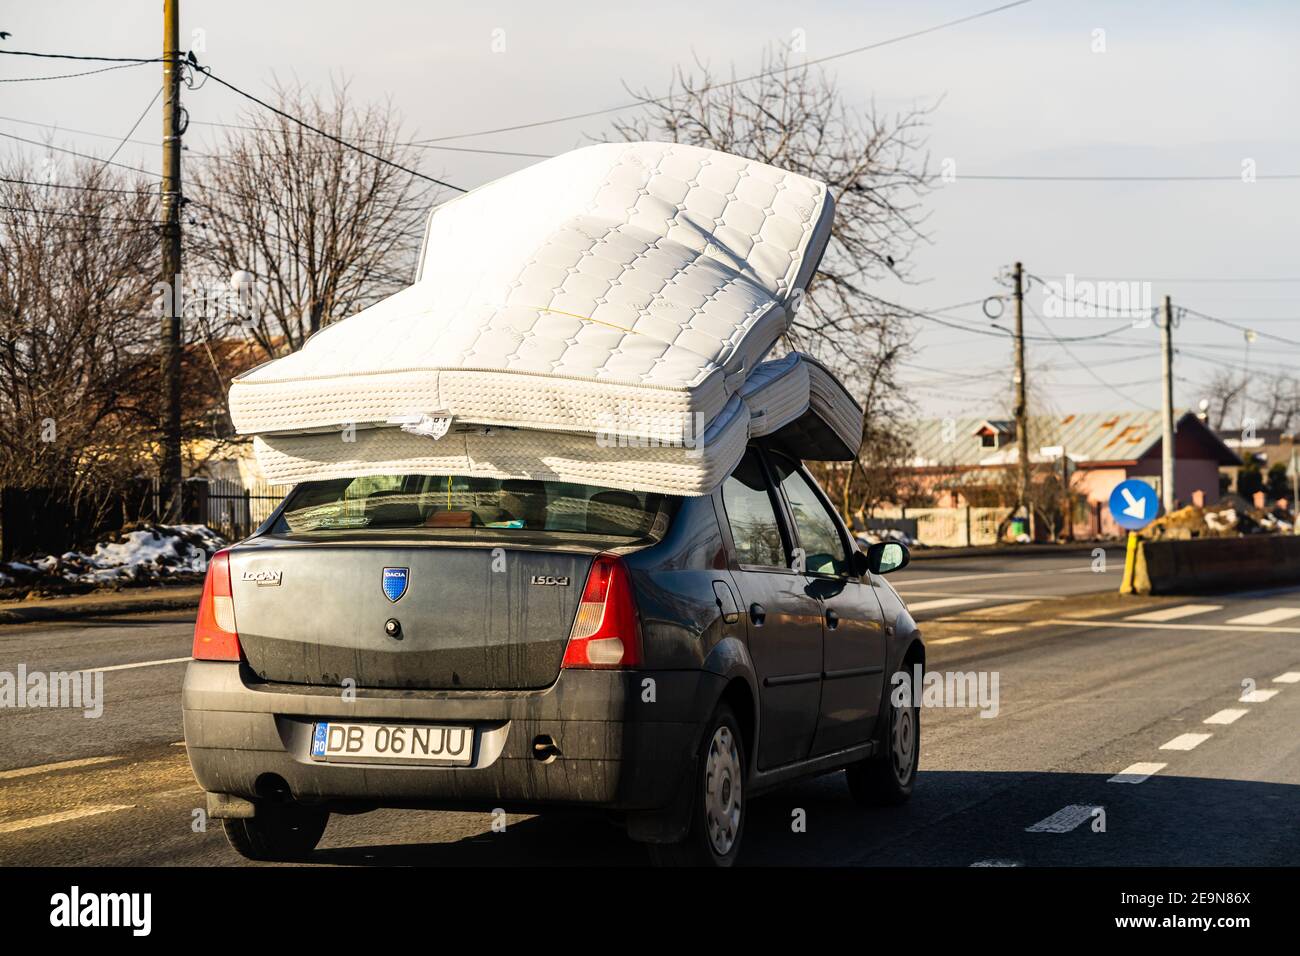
{"points": [[886, 556]]}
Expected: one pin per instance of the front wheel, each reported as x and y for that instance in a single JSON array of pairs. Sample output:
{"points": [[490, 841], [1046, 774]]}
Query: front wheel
{"points": [[277, 832], [887, 780], [718, 806]]}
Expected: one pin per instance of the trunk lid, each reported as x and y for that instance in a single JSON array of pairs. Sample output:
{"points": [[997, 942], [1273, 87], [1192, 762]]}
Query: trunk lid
{"points": [[472, 617]]}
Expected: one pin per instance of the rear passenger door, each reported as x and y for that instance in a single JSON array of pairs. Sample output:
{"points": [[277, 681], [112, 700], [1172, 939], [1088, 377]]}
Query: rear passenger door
{"points": [[783, 621], [853, 646]]}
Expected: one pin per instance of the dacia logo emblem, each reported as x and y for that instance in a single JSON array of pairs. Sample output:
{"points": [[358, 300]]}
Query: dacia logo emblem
{"points": [[395, 580]]}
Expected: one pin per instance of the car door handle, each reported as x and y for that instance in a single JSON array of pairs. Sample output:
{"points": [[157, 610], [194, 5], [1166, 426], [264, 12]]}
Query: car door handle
{"points": [[757, 614], [832, 619]]}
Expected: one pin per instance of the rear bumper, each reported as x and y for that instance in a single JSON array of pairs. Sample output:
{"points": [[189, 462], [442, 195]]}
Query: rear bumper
{"points": [[618, 749]]}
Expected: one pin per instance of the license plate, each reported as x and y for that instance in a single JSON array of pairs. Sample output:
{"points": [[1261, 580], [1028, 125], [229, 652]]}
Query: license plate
{"points": [[336, 742]]}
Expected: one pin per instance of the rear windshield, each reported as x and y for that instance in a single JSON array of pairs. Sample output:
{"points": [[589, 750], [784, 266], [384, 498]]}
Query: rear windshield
{"points": [[425, 502]]}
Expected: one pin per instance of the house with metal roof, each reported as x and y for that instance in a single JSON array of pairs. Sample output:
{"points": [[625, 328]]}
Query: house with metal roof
{"points": [[961, 461]]}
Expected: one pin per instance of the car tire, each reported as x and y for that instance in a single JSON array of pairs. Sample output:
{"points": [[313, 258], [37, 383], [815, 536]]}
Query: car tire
{"points": [[887, 780], [718, 804], [277, 832]]}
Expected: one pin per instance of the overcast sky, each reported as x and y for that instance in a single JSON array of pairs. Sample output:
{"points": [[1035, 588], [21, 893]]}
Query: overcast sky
{"points": [[1181, 89]]}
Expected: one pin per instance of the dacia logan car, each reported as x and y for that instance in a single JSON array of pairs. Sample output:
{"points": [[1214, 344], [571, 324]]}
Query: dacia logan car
{"points": [[518, 645]]}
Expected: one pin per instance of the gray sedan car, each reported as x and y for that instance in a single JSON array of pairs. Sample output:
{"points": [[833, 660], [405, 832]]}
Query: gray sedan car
{"points": [[519, 645]]}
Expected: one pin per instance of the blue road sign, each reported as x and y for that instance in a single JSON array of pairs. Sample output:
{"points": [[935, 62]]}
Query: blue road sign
{"points": [[1134, 504]]}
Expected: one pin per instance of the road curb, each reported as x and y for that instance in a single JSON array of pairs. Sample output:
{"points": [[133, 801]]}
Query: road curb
{"points": [[182, 599], [1013, 550]]}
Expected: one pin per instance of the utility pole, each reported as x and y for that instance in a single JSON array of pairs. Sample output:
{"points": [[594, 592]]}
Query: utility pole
{"points": [[1167, 408], [171, 477], [1022, 416]]}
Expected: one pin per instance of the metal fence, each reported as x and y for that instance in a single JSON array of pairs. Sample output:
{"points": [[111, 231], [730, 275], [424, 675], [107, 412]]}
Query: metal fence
{"points": [[949, 527], [234, 509]]}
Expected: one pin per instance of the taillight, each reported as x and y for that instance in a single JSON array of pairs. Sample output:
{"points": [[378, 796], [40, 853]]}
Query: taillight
{"points": [[215, 636], [607, 630]]}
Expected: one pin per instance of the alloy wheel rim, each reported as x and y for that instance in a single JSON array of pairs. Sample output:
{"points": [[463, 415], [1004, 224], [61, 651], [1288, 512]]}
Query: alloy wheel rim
{"points": [[722, 791]]}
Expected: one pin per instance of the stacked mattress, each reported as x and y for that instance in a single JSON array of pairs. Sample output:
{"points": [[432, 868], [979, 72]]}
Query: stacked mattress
{"points": [[600, 317]]}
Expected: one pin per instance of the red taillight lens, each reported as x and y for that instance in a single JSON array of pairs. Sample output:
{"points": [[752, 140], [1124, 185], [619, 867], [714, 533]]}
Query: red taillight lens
{"points": [[607, 629], [215, 636]]}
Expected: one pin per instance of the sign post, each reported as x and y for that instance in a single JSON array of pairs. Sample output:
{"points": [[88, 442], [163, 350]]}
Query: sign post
{"points": [[1134, 505]]}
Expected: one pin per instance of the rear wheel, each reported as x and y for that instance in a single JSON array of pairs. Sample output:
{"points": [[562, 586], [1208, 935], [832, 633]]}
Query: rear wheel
{"points": [[277, 832], [718, 806], [887, 780]]}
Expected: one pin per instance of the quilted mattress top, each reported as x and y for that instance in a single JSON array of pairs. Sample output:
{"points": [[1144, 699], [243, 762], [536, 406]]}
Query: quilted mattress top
{"points": [[647, 274]]}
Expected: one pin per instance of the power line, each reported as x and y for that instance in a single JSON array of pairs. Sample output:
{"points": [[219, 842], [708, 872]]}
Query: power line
{"points": [[1062, 275], [66, 76], [79, 215], [80, 132], [330, 136], [285, 242], [95, 189], [1079, 362], [77, 56], [413, 143], [723, 85], [1018, 177], [1241, 328], [996, 330], [134, 126], [73, 152]]}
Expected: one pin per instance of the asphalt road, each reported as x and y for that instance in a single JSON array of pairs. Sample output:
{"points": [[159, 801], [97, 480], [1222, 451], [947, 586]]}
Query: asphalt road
{"points": [[1085, 693]]}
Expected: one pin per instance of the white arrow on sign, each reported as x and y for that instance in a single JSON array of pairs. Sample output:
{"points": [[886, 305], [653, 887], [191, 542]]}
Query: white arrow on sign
{"points": [[1136, 507]]}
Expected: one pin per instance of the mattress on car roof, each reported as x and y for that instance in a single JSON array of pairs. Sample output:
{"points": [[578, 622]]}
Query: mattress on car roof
{"points": [[794, 402], [621, 462], [648, 278], [799, 405]]}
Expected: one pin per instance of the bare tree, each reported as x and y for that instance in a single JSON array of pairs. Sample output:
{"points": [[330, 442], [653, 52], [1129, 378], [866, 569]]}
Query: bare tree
{"points": [[78, 359], [1224, 390], [1279, 398], [1274, 398], [794, 117], [325, 230]]}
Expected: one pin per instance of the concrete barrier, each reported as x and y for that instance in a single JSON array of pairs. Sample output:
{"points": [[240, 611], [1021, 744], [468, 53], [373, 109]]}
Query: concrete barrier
{"points": [[1200, 565]]}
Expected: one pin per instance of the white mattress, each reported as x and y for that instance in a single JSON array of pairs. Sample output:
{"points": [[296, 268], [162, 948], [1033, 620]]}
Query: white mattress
{"points": [[794, 402], [625, 288], [632, 465]]}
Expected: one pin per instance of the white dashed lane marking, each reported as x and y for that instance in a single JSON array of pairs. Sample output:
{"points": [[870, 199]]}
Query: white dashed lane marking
{"points": [[941, 602], [1257, 696], [1226, 716], [1290, 677], [1186, 742], [1002, 630], [1063, 820], [51, 767], [1274, 615], [13, 826], [948, 640], [949, 578], [1159, 626], [127, 667], [1174, 613], [1137, 773]]}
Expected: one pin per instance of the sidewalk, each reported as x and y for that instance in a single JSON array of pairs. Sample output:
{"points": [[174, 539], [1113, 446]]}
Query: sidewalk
{"points": [[131, 601]]}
